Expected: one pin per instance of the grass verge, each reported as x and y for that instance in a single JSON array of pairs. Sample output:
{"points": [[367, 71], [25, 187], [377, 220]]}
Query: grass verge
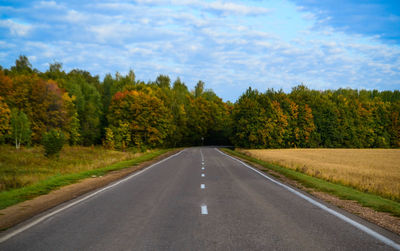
{"points": [[369, 200], [14, 196]]}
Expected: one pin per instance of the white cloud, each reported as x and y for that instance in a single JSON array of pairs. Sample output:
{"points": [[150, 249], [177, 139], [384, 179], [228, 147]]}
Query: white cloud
{"points": [[217, 42], [16, 29], [49, 5], [233, 8], [74, 16]]}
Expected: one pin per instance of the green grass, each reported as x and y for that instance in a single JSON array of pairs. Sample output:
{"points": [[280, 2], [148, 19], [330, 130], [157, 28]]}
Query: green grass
{"points": [[17, 195], [369, 200]]}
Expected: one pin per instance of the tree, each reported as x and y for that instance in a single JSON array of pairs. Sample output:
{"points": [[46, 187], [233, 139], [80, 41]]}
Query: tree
{"points": [[53, 142], [198, 89], [20, 125], [22, 65], [163, 81], [394, 128], [6, 85], [5, 116], [72, 125], [139, 119], [88, 105]]}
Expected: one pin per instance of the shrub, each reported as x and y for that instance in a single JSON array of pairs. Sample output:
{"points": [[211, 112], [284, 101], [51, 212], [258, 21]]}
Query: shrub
{"points": [[53, 142], [109, 142]]}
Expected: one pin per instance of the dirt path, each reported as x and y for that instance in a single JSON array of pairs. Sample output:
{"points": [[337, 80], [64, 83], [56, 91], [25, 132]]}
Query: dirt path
{"points": [[15, 214]]}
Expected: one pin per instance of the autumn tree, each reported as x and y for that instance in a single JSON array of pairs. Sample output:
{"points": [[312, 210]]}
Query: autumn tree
{"points": [[5, 116], [140, 119]]}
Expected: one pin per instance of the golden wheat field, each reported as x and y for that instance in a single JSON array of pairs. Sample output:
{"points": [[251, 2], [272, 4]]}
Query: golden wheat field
{"points": [[370, 170]]}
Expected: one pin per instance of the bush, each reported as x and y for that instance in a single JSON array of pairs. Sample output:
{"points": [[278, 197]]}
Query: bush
{"points": [[109, 142], [53, 142]]}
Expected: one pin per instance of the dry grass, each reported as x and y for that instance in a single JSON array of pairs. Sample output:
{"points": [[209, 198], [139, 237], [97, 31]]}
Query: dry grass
{"points": [[28, 165], [375, 171]]}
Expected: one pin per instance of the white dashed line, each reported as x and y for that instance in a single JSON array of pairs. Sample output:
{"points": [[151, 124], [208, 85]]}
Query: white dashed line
{"points": [[204, 209], [202, 168], [203, 175], [202, 157], [202, 186]]}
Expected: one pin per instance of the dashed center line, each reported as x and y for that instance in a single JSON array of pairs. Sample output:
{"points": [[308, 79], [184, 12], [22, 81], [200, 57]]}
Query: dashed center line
{"points": [[203, 175], [204, 209], [202, 186], [202, 168]]}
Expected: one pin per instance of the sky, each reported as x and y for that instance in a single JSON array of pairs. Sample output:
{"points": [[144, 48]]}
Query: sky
{"points": [[230, 45]]}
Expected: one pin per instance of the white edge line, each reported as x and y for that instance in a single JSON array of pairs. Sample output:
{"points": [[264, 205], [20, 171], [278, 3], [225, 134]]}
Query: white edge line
{"points": [[361, 227], [204, 209], [33, 223]]}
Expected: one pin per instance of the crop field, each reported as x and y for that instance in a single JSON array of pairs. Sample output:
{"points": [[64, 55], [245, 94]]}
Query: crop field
{"points": [[29, 166], [375, 171]]}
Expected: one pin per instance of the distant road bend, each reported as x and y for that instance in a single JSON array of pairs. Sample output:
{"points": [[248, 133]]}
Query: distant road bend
{"points": [[198, 199]]}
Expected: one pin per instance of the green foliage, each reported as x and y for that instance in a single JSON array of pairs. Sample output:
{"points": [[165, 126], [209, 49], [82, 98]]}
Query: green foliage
{"points": [[307, 118], [109, 141], [53, 142], [22, 65], [88, 105], [147, 115], [20, 127]]}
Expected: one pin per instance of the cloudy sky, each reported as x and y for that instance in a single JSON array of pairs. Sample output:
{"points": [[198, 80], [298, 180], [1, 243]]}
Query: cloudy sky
{"points": [[230, 45]]}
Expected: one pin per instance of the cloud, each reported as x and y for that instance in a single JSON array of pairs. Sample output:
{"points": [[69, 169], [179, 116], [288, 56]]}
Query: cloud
{"points": [[49, 5], [15, 28], [229, 45], [233, 8]]}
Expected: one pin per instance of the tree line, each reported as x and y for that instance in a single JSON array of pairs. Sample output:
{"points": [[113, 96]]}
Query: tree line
{"points": [[121, 112]]}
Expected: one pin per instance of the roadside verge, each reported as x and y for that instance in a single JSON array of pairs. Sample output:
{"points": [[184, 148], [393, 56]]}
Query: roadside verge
{"points": [[71, 186], [373, 208]]}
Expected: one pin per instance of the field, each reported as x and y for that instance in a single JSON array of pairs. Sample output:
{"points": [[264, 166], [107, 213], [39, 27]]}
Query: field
{"points": [[29, 166], [375, 171], [26, 173]]}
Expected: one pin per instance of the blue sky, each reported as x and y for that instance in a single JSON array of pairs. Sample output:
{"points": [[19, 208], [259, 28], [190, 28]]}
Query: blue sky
{"points": [[230, 45]]}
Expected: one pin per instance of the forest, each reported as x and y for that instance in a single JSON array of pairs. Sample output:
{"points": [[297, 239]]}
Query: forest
{"points": [[121, 112]]}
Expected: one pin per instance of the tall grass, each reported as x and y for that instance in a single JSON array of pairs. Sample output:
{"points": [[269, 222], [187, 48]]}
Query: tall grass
{"points": [[26, 173], [375, 171], [27, 166]]}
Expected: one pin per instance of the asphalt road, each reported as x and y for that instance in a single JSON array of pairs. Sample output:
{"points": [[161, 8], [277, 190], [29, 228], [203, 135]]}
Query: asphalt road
{"points": [[170, 206]]}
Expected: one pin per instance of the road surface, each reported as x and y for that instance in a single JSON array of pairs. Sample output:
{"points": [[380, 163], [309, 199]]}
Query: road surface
{"points": [[198, 199]]}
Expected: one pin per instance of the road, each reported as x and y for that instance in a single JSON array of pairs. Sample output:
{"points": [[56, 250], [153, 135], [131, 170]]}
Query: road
{"points": [[199, 199]]}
